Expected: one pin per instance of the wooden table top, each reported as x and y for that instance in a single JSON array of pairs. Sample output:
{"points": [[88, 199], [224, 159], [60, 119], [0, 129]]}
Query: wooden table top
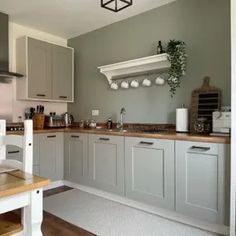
{"points": [[15, 182]]}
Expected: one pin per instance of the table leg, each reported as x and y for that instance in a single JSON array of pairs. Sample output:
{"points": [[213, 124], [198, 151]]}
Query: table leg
{"points": [[32, 215]]}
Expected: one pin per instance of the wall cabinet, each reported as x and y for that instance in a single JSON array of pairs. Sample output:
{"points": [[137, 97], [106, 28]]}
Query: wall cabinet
{"points": [[149, 171], [76, 157], [106, 163], [48, 70], [202, 180], [51, 155]]}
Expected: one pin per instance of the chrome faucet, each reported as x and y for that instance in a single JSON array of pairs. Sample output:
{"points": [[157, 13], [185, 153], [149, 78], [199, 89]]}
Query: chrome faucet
{"points": [[122, 113]]}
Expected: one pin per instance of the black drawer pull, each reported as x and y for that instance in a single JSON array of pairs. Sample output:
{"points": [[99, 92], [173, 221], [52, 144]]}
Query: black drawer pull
{"points": [[74, 136], [40, 95], [13, 152], [104, 139], [146, 143], [62, 96], [51, 136], [200, 148]]}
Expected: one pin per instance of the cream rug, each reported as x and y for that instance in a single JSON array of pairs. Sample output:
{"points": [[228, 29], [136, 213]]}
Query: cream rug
{"points": [[107, 218]]}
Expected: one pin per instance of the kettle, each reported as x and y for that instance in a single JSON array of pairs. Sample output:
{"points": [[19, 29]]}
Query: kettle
{"points": [[68, 119]]}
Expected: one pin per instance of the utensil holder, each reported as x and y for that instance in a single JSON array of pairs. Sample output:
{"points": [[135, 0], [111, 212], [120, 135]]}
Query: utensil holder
{"points": [[38, 121]]}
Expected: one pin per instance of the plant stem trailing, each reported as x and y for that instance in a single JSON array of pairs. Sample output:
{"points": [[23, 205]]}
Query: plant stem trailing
{"points": [[178, 60]]}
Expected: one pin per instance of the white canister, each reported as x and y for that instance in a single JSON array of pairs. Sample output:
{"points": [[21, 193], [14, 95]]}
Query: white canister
{"points": [[182, 120]]}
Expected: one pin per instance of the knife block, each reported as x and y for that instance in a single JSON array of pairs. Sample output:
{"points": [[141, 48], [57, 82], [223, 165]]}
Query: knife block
{"points": [[38, 121]]}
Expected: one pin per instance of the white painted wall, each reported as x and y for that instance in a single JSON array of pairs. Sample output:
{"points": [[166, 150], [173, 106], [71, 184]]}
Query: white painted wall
{"points": [[233, 105], [9, 91]]}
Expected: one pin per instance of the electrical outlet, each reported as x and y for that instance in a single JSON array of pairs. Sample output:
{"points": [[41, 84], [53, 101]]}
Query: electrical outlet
{"points": [[95, 112]]}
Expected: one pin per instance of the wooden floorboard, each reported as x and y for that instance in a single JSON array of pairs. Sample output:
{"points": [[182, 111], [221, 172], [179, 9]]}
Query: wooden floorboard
{"points": [[54, 226], [53, 191]]}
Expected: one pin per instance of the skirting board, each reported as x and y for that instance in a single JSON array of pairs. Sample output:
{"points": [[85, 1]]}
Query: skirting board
{"points": [[54, 184], [215, 228]]}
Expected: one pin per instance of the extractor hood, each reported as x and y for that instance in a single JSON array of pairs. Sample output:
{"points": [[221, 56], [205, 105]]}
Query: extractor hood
{"points": [[4, 49]]}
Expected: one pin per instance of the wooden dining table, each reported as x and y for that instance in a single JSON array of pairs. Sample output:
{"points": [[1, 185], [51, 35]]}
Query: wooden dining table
{"points": [[19, 190]]}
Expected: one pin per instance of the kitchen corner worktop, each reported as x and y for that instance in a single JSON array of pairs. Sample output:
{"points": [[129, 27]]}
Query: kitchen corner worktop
{"points": [[171, 135]]}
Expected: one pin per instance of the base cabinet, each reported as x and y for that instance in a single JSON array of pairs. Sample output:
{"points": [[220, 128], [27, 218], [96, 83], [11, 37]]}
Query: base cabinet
{"points": [[75, 157], [51, 150], [106, 163], [202, 180], [149, 171]]}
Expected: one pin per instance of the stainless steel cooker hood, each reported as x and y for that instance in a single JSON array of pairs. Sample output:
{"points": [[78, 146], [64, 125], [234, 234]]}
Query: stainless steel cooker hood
{"points": [[4, 50]]}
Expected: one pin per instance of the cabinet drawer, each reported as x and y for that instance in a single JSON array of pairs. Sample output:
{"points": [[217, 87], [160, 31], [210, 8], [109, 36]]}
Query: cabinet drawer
{"points": [[202, 148], [14, 153], [106, 138]]}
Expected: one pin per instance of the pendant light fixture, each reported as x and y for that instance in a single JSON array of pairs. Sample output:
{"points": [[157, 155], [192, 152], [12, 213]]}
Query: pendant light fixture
{"points": [[116, 5]]}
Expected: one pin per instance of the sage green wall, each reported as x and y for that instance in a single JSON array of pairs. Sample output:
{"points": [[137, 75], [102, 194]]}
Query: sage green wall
{"points": [[203, 24]]}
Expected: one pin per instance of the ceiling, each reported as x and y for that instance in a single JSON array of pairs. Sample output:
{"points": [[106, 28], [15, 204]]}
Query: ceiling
{"points": [[70, 18]]}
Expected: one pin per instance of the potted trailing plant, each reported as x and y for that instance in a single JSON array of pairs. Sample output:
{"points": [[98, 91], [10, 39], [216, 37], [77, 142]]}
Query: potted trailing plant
{"points": [[178, 60]]}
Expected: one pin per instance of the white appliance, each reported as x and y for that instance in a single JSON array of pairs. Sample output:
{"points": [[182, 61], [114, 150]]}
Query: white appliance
{"points": [[222, 122], [182, 121]]}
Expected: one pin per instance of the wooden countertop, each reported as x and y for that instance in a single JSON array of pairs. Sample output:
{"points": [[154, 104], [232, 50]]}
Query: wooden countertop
{"points": [[171, 135], [15, 182]]}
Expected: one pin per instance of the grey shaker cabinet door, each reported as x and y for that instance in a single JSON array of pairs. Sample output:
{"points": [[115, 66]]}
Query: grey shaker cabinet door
{"points": [[106, 163], [149, 169], [75, 160], [202, 180], [62, 65], [51, 156], [39, 69]]}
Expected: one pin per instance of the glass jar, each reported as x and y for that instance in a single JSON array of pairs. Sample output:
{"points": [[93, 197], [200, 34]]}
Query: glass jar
{"points": [[202, 126]]}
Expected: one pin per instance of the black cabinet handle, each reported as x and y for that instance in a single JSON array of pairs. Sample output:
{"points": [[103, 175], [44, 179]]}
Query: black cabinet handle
{"points": [[40, 95], [146, 143], [104, 139], [62, 96], [74, 136], [51, 136], [13, 152], [200, 148]]}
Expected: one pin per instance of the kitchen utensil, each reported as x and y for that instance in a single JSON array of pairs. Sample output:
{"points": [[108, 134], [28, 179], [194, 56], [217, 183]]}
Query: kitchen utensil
{"points": [[38, 121], [134, 84], [68, 119], [81, 123], [114, 86], [159, 81], [147, 82], [92, 124], [54, 121], [124, 85]]}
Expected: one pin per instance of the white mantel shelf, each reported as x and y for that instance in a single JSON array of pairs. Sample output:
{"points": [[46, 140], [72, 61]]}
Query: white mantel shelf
{"points": [[135, 67]]}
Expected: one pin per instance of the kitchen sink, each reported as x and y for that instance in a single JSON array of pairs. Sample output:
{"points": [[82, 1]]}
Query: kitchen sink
{"points": [[112, 130]]}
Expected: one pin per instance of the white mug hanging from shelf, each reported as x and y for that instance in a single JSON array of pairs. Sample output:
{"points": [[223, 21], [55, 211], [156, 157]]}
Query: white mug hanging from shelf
{"points": [[147, 82], [134, 84], [114, 86], [124, 85], [160, 80]]}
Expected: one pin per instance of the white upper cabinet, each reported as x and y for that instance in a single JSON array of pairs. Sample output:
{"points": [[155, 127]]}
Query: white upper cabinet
{"points": [[48, 70]]}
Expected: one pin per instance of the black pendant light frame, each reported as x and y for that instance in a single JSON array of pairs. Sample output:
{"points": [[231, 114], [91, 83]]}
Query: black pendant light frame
{"points": [[105, 3]]}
